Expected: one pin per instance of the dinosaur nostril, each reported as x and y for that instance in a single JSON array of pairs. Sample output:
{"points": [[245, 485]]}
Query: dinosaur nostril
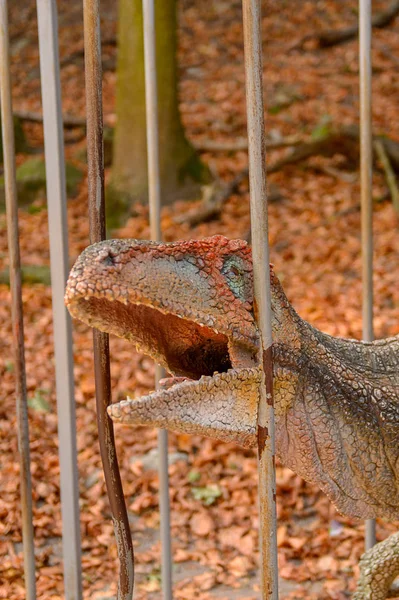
{"points": [[105, 257], [108, 261]]}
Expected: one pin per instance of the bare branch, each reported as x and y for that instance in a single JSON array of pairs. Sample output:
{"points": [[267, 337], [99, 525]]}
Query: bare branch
{"points": [[330, 37], [389, 173], [69, 121], [241, 143]]}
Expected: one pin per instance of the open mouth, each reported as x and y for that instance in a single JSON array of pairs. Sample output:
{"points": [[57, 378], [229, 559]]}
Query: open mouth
{"points": [[184, 347], [203, 396]]}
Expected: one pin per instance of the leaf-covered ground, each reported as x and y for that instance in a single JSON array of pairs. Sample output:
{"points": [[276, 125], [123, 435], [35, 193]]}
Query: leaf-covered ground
{"points": [[315, 246]]}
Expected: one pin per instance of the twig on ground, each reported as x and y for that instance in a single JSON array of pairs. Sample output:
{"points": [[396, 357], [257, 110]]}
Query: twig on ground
{"points": [[241, 144], [214, 196], [343, 140], [69, 121], [329, 37], [338, 141], [79, 54], [386, 51], [389, 173], [337, 173]]}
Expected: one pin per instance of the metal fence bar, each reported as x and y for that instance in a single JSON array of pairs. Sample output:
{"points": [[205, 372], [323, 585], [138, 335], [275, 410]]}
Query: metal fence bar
{"points": [[57, 217], [16, 304], [154, 190], [95, 159], [260, 254], [366, 166]]}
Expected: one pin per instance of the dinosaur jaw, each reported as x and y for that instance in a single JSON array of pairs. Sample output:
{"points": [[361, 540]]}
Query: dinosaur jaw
{"points": [[224, 406], [206, 396]]}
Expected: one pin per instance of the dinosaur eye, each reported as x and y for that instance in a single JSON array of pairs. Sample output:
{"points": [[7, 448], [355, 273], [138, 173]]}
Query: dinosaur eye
{"points": [[234, 270], [238, 278]]}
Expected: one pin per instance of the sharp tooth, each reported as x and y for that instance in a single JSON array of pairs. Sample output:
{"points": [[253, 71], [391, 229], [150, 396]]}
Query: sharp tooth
{"points": [[114, 410]]}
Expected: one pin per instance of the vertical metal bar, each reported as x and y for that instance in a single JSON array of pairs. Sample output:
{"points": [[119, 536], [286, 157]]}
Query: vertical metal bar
{"points": [[151, 105], [154, 190], [260, 254], [16, 304], [95, 157], [57, 216], [366, 165]]}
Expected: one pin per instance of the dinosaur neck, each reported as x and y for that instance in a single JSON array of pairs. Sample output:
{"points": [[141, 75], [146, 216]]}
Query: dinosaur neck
{"points": [[287, 326], [337, 409], [375, 361], [296, 342]]}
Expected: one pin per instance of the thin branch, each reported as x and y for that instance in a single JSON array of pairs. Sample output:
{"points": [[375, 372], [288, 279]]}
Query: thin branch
{"points": [[389, 173], [241, 144], [343, 140], [79, 54], [69, 121], [336, 173], [329, 37], [214, 196], [385, 51]]}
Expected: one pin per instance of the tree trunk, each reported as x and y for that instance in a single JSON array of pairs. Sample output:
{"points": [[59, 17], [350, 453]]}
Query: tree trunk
{"points": [[181, 169]]}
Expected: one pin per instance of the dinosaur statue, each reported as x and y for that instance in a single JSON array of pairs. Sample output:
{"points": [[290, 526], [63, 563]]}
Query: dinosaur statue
{"points": [[189, 305]]}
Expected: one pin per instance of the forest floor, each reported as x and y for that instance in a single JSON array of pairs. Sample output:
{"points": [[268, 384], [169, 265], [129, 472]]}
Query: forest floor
{"points": [[315, 247]]}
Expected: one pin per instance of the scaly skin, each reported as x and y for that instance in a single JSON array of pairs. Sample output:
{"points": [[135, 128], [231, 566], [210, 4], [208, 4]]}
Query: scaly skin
{"points": [[189, 305]]}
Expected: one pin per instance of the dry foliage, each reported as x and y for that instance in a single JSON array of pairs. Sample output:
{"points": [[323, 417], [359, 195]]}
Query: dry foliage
{"points": [[316, 251]]}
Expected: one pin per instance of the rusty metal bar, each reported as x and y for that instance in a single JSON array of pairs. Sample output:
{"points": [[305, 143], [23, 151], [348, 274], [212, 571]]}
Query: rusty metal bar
{"points": [[95, 157], [16, 304], [57, 216], [366, 201], [260, 254], [154, 197]]}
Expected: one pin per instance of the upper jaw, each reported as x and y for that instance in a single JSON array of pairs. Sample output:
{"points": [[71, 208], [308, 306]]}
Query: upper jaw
{"points": [[173, 278], [140, 291]]}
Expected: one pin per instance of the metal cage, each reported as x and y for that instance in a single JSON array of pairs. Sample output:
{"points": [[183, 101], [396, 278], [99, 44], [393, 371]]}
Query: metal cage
{"points": [[56, 193]]}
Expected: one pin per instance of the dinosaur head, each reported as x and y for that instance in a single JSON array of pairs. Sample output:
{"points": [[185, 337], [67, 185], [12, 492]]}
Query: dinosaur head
{"points": [[184, 303], [188, 305]]}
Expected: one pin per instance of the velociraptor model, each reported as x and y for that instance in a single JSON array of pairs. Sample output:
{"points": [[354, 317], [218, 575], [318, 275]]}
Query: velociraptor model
{"points": [[189, 306]]}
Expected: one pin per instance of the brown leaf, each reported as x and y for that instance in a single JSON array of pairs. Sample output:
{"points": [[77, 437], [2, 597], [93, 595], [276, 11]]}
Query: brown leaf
{"points": [[201, 523]]}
